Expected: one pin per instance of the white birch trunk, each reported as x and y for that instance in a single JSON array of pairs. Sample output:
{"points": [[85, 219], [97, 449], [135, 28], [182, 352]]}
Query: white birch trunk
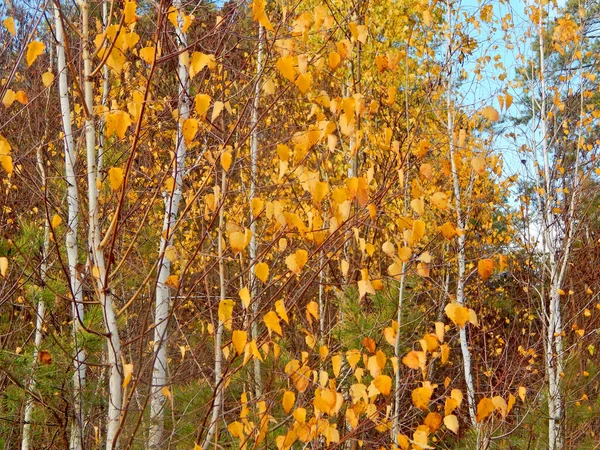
{"points": [[460, 222], [39, 324], [96, 254], [75, 442], [161, 313], [253, 246], [218, 396]]}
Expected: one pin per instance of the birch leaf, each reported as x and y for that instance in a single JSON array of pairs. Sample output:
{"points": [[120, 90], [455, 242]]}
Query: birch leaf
{"points": [[226, 312], [485, 268], [281, 312], [289, 398], [226, 160], [383, 383], [490, 113], [189, 129], [485, 407], [34, 49], [272, 322], [216, 112], [239, 339], [3, 265], [199, 61], [148, 54], [9, 98], [244, 294], [115, 177], [451, 422], [9, 23], [261, 270], [127, 373], [129, 12], [56, 221], [202, 104]]}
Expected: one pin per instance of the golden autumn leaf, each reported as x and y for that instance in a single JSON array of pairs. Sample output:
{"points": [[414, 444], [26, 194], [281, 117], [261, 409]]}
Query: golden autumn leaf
{"points": [[239, 339], [490, 113], [9, 98], [383, 383], [226, 312], [261, 270], [115, 177], [421, 396], [288, 400], [56, 221], [450, 405], [478, 164], [3, 265], [281, 312], [522, 393], [217, 109], [129, 12], [34, 49], [198, 61], [334, 60], [415, 360], [285, 65], [244, 294], [189, 129], [117, 122], [485, 407], [458, 314], [259, 14], [272, 322], [296, 261], [21, 97], [485, 267], [172, 281], [148, 54], [201, 104], [500, 405], [226, 160], [439, 200], [433, 421], [9, 23], [451, 422], [127, 373]]}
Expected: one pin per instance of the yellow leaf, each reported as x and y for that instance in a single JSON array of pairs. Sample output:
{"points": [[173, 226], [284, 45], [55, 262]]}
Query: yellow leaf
{"points": [[244, 294], [296, 261], [500, 405], [449, 406], [281, 312], [289, 398], [365, 287], [34, 49], [485, 407], [478, 165], [353, 356], [432, 421], [439, 200], [172, 281], [261, 270], [226, 159], [522, 393], [303, 82], [448, 230], [485, 268], [115, 177], [511, 402], [259, 15], [285, 65], [9, 98], [189, 129], [216, 112], [490, 113], [239, 339], [426, 17], [421, 396], [383, 383], [451, 422], [457, 395], [226, 312], [334, 60], [117, 122], [404, 254], [129, 12], [3, 265], [336, 364], [458, 314], [148, 54], [56, 221], [199, 61], [414, 360], [127, 373], [166, 392], [201, 104], [272, 322], [9, 23], [171, 253], [21, 97], [418, 206]]}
